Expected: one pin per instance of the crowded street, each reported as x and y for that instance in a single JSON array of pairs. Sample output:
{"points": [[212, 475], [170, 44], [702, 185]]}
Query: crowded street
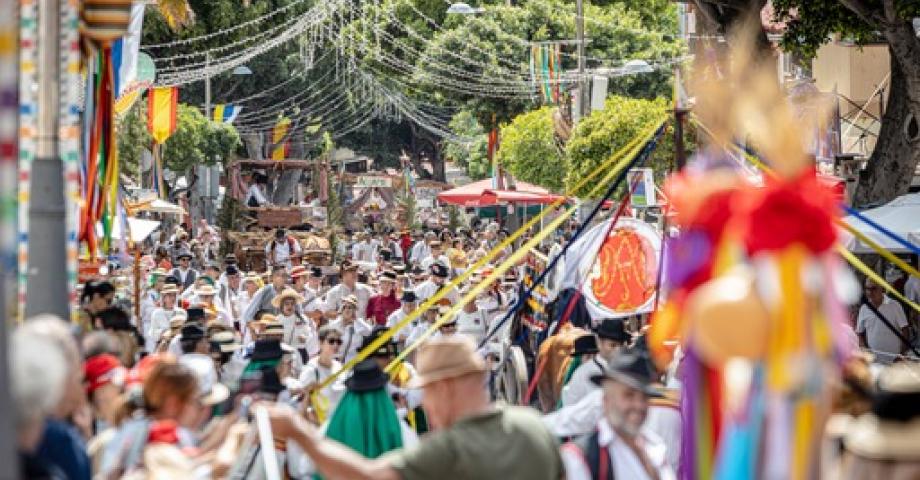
{"points": [[424, 239]]}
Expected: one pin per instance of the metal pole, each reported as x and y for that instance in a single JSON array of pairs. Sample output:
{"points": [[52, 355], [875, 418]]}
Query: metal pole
{"points": [[47, 230], [9, 126], [580, 35]]}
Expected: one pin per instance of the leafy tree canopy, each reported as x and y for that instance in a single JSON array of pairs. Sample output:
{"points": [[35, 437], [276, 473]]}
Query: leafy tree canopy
{"points": [[472, 156], [606, 131], [529, 149], [196, 140]]}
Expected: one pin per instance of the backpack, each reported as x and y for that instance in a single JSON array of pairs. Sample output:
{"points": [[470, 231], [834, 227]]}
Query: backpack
{"points": [[597, 459]]}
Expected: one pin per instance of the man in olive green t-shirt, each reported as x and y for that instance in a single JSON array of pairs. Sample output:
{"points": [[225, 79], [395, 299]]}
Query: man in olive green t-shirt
{"points": [[472, 438]]}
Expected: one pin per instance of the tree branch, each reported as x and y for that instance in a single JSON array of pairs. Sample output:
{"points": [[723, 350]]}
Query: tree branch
{"points": [[862, 11]]}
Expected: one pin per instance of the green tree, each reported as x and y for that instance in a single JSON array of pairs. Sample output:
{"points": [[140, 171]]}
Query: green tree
{"points": [[196, 141], [606, 131], [473, 155], [811, 23], [530, 150]]}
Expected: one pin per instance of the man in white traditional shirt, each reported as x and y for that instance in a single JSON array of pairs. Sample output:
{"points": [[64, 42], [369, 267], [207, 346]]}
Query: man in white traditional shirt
{"points": [[161, 316], [471, 321], [348, 286], [436, 255], [408, 302], [420, 250], [352, 328], [364, 250], [620, 446], [262, 300], [611, 337], [436, 279], [282, 249], [873, 333], [425, 320], [228, 293]]}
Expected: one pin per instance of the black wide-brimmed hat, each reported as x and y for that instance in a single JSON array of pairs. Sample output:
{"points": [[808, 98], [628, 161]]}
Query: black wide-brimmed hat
{"points": [[387, 349], [584, 345], [631, 368], [439, 270], [194, 314], [612, 329], [267, 350], [408, 296], [367, 376], [192, 331]]}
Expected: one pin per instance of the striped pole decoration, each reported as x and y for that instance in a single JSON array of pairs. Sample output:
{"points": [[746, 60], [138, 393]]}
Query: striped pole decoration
{"points": [[28, 127], [9, 111], [69, 141]]}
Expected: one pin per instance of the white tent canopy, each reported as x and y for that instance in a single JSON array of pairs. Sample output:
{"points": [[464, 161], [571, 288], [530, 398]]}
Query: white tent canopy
{"points": [[901, 216], [140, 229], [162, 206]]}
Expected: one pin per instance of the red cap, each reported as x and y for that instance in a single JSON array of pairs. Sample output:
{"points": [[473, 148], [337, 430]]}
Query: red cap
{"points": [[102, 369], [164, 431], [299, 271]]}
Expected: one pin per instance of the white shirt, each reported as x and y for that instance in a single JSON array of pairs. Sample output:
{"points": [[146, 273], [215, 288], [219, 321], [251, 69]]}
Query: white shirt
{"points": [[625, 462], [580, 385], [159, 323], [427, 289], [472, 324], [299, 332], [352, 336], [912, 289], [418, 330], [314, 373], [282, 251], [882, 341], [397, 317], [364, 251], [361, 291], [419, 251], [256, 192]]}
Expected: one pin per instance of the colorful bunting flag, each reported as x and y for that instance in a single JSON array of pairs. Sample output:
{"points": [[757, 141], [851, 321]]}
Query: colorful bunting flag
{"points": [[226, 113], [162, 104], [280, 152]]}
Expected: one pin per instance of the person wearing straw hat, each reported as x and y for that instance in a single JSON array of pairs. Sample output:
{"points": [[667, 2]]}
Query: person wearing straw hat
{"points": [[380, 306], [205, 295], [161, 316], [620, 446], [150, 299], [348, 286], [299, 332], [436, 255], [472, 437], [883, 442], [352, 328], [472, 320], [262, 300]]}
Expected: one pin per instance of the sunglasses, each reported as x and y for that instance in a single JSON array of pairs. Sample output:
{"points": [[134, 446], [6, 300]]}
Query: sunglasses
{"points": [[349, 307], [334, 341]]}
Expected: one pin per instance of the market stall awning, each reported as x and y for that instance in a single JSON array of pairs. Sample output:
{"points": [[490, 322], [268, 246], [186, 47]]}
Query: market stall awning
{"points": [[481, 194], [162, 206], [140, 229], [901, 216]]}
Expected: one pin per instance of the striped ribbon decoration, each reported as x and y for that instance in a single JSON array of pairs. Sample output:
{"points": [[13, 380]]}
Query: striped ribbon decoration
{"points": [[69, 141], [28, 127], [9, 111]]}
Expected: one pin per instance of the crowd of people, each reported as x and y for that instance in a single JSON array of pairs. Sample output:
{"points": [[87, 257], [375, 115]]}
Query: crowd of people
{"points": [[177, 391]]}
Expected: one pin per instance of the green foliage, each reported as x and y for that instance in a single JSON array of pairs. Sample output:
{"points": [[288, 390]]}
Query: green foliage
{"points": [[810, 24], [472, 156], [606, 131], [196, 140], [529, 149]]}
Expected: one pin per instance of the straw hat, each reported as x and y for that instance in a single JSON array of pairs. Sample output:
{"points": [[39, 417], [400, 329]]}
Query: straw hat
{"points": [[169, 288], [444, 358], [350, 299], [287, 293], [892, 430], [205, 290]]}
